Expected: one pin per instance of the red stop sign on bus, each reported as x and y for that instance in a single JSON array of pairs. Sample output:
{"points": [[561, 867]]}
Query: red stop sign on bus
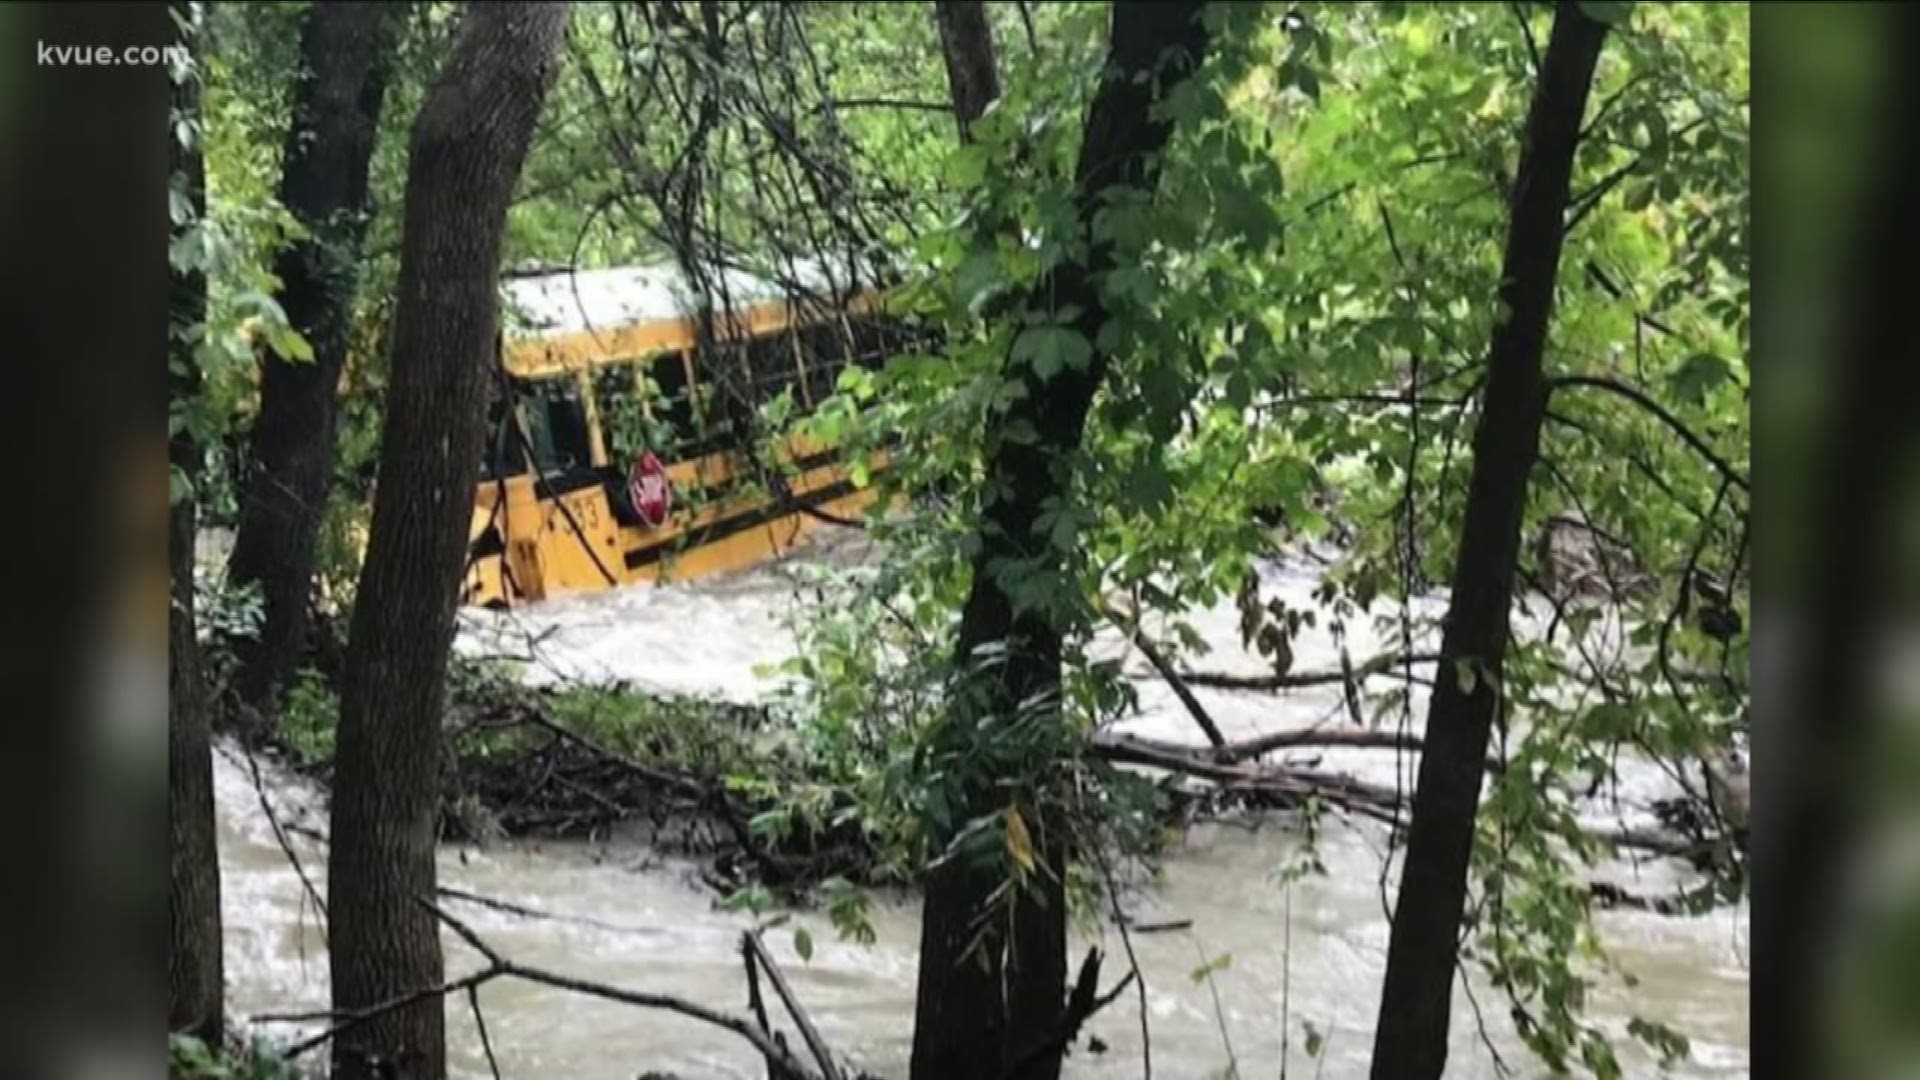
{"points": [[649, 490]]}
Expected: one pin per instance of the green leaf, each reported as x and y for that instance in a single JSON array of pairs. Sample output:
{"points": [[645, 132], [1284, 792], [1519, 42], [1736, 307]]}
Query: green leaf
{"points": [[1205, 971], [968, 166], [1609, 721], [803, 943], [1700, 375], [1149, 486], [289, 344], [1239, 390], [1466, 675], [1051, 348]]}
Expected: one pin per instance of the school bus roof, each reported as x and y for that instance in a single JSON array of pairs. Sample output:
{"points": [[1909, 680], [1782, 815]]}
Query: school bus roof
{"points": [[562, 321]]}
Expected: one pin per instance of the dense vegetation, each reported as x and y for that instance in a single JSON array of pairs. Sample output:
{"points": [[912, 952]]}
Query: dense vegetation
{"points": [[1213, 285]]}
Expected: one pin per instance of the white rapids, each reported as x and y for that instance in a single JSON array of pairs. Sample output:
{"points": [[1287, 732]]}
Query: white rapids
{"points": [[1305, 956]]}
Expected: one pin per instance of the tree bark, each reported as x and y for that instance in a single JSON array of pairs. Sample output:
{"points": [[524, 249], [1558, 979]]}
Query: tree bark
{"points": [[345, 50], [966, 43], [1410, 1042], [467, 148], [195, 974], [974, 1019]]}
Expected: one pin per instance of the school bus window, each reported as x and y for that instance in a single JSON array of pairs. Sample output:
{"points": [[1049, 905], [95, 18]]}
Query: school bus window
{"points": [[874, 340], [623, 417], [724, 402], [770, 362], [557, 426], [826, 354], [502, 455], [672, 403]]}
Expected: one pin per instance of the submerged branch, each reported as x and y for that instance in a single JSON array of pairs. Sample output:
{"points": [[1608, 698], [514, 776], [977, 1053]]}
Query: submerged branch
{"points": [[499, 967], [1294, 785]]}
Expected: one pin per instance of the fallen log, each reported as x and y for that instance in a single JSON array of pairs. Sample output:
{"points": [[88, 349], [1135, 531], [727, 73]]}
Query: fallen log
{"points": [[1320, 737], [1379, 665], [1295, 785], [1290, 784]]}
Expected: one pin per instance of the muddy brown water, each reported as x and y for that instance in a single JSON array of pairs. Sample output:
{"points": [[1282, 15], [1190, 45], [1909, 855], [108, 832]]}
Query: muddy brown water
{"points": [[1296, 957]]}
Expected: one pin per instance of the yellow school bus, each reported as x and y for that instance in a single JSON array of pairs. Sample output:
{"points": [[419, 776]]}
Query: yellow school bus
{"points": [[619, 451]]}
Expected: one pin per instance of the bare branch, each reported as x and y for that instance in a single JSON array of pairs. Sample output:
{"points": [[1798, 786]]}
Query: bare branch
{"points": [[888, 103], [1660, 412], [1179, 685], [751, 942]]}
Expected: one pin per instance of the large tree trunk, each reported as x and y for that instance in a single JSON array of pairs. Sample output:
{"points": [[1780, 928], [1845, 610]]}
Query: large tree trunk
{"points": [[467, 148], [973, 1020], [966, 42], [1416, 1005], [1823, 713], [195, 981], [345, 49]]}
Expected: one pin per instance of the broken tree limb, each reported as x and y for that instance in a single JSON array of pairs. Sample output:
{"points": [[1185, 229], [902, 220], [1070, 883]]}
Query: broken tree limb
{"points": [[499, 967], [1128, 622], [1229, 769], [1350, 687], [751, 942], [1180, 688], [1319, 737], [1379, 665], [1167, 927], [1083, 1000], [1296, 784], [1234, 753], [710, 793]]}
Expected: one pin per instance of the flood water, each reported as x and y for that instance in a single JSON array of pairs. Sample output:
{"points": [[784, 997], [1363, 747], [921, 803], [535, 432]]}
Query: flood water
{"points": [[1311, 953]]}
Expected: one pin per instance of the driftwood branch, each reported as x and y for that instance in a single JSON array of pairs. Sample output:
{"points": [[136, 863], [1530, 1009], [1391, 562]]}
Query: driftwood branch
{"points": [[1352, 794], [1228, 769], [500, 967], [756, 1003], [1180, 688], [1379, 665], [750, 943], [1320, 738], [480, 1022], [1128, 621], [711, 794], [309, 891]]}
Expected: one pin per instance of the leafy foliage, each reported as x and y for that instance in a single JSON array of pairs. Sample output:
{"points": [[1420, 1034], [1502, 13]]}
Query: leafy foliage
{"points": [[1300, 318], [190, 1059]]}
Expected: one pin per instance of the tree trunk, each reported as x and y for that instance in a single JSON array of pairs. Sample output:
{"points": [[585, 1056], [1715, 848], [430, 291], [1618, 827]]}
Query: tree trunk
{"points": [[345, 50], [1411, 1040], [974, 1019], [966, 42], [1822, 716], [195, 981], [467, 148]]}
